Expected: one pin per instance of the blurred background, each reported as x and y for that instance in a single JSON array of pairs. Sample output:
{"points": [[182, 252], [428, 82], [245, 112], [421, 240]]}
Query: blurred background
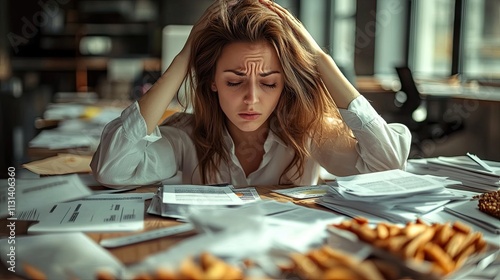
{"points": [[431, 64]]}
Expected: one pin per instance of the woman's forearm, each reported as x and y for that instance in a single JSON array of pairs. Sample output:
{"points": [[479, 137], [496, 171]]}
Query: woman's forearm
{"points": [[342, 91], [154, 103]]}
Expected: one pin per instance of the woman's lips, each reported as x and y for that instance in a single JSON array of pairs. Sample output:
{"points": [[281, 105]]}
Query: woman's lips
{"points": [[249, 115]]}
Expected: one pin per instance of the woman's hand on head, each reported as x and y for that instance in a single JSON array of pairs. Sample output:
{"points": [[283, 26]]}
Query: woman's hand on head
{"points": [[297, 27]]}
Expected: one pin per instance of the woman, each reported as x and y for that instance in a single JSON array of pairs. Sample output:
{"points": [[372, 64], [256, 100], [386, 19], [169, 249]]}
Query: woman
{"points": [[269, 107]]}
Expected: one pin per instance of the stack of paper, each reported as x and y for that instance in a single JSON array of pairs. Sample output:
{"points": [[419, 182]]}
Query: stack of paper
{"points": [[173, 200], [395, 195], [470, 212], [460, 168]]}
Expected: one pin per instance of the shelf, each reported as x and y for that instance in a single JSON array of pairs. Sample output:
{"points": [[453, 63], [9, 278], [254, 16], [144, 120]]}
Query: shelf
{"points": [[71, 64]]}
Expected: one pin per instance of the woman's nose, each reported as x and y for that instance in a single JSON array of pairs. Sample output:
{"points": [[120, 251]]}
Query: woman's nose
{"points": [[251, 96]]}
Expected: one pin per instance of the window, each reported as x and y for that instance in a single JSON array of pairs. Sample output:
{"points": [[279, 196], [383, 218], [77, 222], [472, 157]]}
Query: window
{"points": [[390, 39], [343, 31], [481, 39], [431, 40]]}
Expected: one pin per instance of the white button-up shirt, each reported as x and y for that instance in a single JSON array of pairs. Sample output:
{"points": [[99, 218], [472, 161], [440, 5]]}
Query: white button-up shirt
{"points": [[127, 156]]}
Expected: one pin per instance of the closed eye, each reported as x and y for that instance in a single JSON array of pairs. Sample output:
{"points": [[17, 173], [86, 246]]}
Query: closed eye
{"points": [[233, 84], [270, 85]]}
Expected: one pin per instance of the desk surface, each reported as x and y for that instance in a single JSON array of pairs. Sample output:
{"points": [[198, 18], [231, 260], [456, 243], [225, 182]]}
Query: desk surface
{"points": [[475, 92], [136, 253], [431, 88]]}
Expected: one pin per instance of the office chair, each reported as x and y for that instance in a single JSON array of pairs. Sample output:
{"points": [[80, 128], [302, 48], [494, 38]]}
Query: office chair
{"points": [[407, 101]]}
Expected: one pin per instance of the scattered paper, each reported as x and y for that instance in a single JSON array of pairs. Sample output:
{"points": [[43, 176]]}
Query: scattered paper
{"points": [[459, 168], [98, 213], [54, 139], [37, 192], [394, 195], [469, 211], [304, 192], [60, 256]]}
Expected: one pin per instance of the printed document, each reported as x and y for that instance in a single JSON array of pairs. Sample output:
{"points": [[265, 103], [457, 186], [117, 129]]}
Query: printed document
{"points": [[36, 192], [100, 213], [200, 195], [386, 183]]}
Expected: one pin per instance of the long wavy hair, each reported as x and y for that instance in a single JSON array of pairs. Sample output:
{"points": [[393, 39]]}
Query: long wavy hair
{"points": [[305, 105]]}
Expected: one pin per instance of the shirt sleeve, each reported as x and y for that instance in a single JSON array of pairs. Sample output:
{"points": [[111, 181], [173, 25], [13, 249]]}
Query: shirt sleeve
{"points": [[381, 146], [126, 155]]}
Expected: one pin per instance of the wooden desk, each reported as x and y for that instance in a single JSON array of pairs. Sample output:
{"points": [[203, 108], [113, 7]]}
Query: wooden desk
{"points": [[458, 91]]}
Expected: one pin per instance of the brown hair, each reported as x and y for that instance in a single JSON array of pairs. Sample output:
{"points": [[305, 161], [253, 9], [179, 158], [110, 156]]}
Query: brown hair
{"points": [[304, 105]]}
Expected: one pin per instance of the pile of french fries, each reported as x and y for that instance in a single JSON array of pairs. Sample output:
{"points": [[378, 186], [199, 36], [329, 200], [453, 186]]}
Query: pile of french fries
{"points": [[446, 246], [206, 267], [328, 263]]}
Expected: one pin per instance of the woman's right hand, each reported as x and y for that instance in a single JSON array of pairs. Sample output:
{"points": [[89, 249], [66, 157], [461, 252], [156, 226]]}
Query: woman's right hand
{"points": [[154, 103]]}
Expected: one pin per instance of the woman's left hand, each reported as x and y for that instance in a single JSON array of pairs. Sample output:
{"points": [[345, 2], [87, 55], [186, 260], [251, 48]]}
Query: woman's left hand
{"points": [[296, 26]]}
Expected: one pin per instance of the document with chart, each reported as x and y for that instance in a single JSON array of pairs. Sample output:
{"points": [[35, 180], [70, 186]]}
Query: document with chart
{"points": [[107, 213], [38, 192]]}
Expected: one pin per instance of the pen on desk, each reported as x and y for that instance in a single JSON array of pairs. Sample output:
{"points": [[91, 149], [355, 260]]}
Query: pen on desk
{"points": [[477, 160]]}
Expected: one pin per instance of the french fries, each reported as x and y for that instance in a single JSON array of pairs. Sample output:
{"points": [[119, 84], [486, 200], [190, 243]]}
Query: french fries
{"points": [[327, 263], [206, 267], [445, 246]]}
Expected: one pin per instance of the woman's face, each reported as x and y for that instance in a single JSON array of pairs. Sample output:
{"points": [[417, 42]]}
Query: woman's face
{"points": [[249, 81]]}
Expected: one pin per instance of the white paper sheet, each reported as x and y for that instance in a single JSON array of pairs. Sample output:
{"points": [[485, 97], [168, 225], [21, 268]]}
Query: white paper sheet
{"points": [[470, 212], [36, 192], [55, 139], [391, 182], [239, 237], [200, 195], [99, 213]]}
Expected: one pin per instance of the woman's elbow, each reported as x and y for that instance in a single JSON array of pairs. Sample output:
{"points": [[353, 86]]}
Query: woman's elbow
{"points": [[105, 176]]}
